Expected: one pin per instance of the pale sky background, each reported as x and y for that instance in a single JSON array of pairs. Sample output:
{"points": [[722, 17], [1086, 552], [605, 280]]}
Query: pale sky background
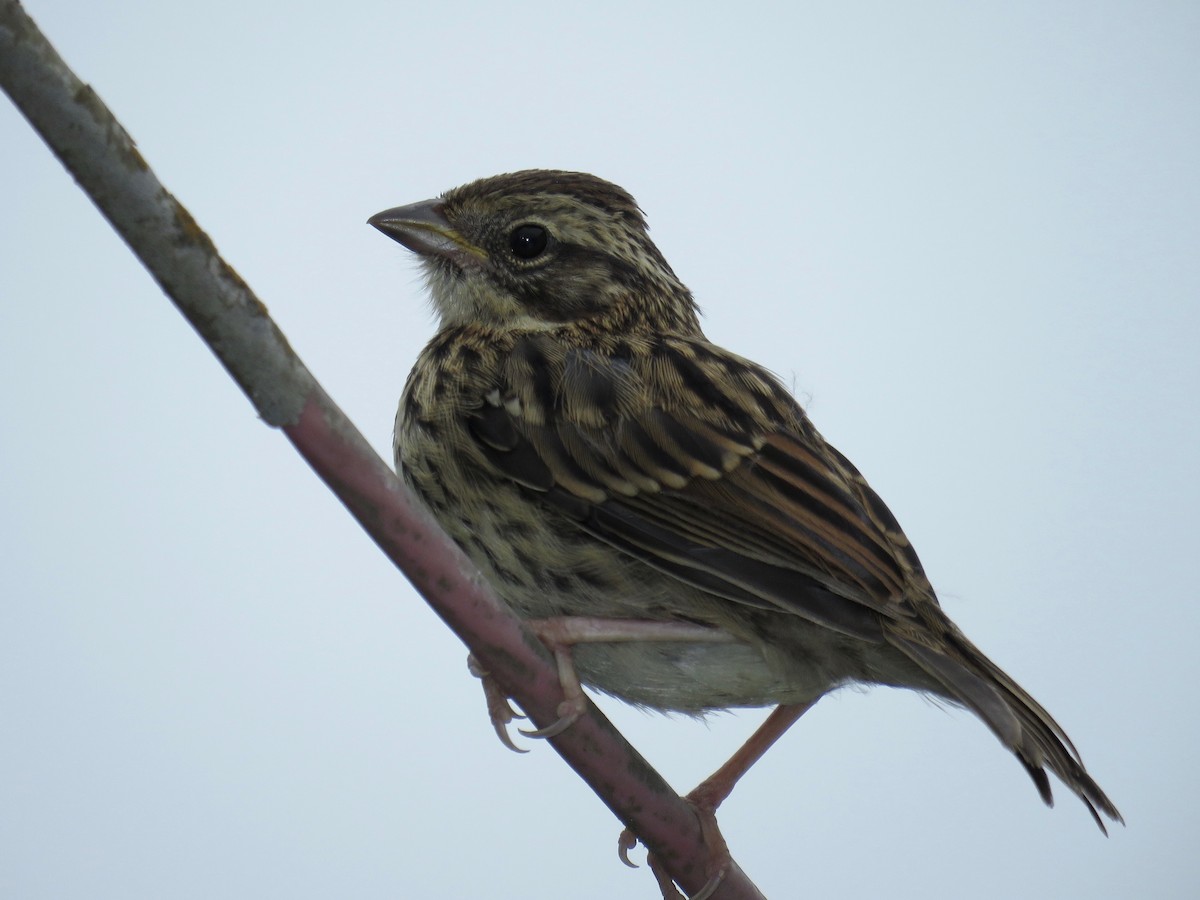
{"points": [[967, 234]]}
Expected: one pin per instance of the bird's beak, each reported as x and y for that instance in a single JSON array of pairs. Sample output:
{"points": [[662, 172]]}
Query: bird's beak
{"points": [[423, 228]]}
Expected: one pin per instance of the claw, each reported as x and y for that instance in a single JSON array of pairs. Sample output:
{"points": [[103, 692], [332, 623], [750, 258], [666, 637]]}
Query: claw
{"points": [[499, 708], [710, 887], [626, 842], [506, 738], [568, 712], [550, 730], [666, 884]]}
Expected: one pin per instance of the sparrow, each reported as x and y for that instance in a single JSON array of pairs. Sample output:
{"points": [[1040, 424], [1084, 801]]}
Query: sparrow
{"points": [[658, 508]]}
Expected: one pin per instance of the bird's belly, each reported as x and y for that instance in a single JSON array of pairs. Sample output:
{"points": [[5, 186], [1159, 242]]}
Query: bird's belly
{"points": [[690, 678], [542, 566]]}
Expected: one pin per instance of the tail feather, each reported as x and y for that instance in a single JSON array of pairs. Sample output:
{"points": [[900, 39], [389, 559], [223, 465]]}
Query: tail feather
{"points": [[1020, 722]]}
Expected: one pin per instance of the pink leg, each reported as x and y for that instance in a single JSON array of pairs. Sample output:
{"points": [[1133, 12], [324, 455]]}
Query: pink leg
{"points": [[711, 793], [560, 635]]}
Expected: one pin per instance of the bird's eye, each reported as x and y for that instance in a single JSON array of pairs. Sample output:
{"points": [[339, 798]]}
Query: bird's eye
{"points": [[528, 241]]}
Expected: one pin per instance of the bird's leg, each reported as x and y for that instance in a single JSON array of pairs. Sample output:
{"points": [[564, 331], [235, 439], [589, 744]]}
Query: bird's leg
{"points": [[711, 793], [560, 634]]}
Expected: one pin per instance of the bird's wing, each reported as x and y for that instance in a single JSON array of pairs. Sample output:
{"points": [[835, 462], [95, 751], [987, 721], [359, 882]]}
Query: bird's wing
{"points": [[701, 465]]}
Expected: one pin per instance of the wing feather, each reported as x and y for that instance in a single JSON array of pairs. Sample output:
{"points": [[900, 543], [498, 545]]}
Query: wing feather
{"points": [[732, 492]]}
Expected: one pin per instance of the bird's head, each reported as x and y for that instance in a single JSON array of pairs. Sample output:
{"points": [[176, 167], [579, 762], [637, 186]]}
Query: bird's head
{"points": [[540, 249]]}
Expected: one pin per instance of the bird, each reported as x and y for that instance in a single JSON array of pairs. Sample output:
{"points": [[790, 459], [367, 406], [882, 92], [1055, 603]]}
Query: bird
{"points": [[659, 509]]}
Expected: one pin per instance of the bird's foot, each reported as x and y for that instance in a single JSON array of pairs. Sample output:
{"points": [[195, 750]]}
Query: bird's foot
{"points": [[710, 794], [718, 851], [560, 635]]}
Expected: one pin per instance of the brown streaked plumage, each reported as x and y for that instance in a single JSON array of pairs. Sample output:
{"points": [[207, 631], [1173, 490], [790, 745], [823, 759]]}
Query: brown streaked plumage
{"points": [[576, 433]]}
